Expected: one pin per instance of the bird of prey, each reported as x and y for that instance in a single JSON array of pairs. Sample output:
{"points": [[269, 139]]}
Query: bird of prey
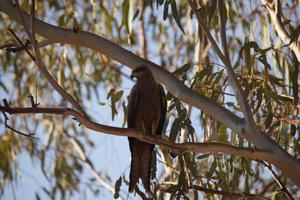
{"points": [[146, 113]]}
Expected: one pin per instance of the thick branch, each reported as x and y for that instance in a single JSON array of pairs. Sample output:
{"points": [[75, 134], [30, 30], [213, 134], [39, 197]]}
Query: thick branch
{"points": [[117, 53], [274, 9], [177, 148], [279, 157]]}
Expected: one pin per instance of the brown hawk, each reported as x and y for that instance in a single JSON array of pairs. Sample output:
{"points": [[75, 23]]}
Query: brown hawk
{"points": [[146, 113]]}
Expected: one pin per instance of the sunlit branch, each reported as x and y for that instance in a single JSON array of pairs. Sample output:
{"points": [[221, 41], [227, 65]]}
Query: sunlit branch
{"points": [[21, 43], [236, 86], [42, 67], [274, 8], [277, 179], [176, 148], [251, 132], [121, 55]]}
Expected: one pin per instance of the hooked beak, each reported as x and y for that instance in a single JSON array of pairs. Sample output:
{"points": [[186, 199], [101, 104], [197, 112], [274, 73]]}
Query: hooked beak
{"points": [[132, 76]]}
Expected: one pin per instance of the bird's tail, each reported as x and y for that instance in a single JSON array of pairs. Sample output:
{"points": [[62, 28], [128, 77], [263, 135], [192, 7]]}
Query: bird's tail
{"points": [[141, 166], [134, 169]]}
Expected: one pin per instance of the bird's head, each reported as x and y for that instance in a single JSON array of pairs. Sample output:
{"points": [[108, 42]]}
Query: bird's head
{"points": [[141, 72]]}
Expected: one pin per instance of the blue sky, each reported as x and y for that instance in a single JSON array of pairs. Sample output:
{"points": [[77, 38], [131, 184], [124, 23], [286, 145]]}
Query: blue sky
{"points": [[111, 153]]}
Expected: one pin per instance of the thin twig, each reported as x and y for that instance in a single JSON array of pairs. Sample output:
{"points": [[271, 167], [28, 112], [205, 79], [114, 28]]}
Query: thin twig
{"points": [[33, 104], [118, 70], [280, 158], [23, 22], [215, 90], [33, 20], [13, 47], [277, 179], [220, 192], [30, 135], [21, 43], [44, 70], [275, 11], [222, 25], [267, 187], [90, 166], [236, 86], [230, 194]]}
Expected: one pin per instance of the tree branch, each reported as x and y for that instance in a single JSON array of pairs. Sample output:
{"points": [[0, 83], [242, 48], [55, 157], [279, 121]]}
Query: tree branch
{"points": [[274, 8], [90, 166], [117, 53], [279, 157], [13, 47], [232, 195], [277, 179], [235, 85], [41, 64], [177, 148], [251, 132]]}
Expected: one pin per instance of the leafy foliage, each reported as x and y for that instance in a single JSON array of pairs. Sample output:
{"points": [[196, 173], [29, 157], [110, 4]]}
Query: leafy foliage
{"points": [[267, 71]]}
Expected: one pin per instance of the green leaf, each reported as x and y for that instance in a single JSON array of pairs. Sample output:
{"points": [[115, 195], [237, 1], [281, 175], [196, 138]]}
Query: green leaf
{"points": [[166, 9], [219, 76], [175, 130], [110, 93], [188, 125], [125, 111], [182, 69], [181, 180], [203, 156], [118, 95], [159, 2], [247, 46], [125, 11], [263, 60], [117, 187], [285, 98], [293, 130], [153, 165], [102, 103], [212, 169], [259, 101], [176, 16], [295, 35], [269, 120], [113, 109], [223, 133]]}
